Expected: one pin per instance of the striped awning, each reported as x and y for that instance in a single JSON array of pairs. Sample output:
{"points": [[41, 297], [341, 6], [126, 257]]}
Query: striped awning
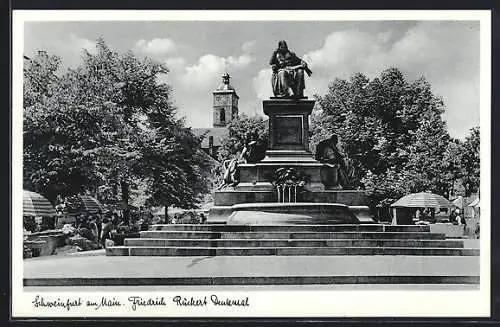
{"points": [[422, 200], [35, 205], [90, 204]]}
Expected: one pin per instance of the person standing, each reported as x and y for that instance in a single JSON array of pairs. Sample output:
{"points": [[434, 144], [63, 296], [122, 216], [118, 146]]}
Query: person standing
{"points": [[107, 226], [452, 216], [203, 219]]}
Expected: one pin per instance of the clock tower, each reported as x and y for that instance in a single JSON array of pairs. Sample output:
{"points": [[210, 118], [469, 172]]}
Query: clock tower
{"points": [[225, 103]]}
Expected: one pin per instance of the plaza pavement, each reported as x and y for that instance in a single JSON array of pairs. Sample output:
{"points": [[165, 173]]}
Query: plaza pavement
{"points": [[94, 268], [243, 288]]}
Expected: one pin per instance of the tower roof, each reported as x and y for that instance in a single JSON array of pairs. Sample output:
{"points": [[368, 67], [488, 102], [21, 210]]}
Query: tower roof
{"points": [[225, 86]]}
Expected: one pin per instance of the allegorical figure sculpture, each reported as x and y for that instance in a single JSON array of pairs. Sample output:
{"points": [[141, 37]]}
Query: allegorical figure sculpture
{"points": [[288, 73], [254, 149], [328, 153], [231, 172]]}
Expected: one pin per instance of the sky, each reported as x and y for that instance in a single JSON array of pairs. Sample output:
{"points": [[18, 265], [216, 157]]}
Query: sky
{"points": [[198, 53]]}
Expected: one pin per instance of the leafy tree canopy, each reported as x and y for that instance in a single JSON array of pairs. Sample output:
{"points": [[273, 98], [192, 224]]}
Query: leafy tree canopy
{"points": [[238, 128], [106, 126], [394, 136]]}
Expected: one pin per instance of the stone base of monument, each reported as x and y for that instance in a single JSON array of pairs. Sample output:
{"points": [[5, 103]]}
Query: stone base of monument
{"points": [[265, 213], [258, 176], [206, 266], [276, 252], [289, 157], [262, 196], [282, 239], [319, 201], [291, 214]]}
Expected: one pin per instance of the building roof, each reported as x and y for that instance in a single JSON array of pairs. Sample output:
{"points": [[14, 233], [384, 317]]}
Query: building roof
{"points": [[217, 132], [225, 86]]}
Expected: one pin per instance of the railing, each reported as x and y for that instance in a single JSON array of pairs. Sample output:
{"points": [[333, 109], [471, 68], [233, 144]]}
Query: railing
{"points": [[287, 193]]}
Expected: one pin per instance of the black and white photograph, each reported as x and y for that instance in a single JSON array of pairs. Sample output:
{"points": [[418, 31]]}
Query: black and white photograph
{"points": [[242, 164]]}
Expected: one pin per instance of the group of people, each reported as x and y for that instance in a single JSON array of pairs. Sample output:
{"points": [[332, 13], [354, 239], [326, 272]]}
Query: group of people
{"points": [[37, 224], [188, 217], [429, 214], [99, 228], [456, 218]]}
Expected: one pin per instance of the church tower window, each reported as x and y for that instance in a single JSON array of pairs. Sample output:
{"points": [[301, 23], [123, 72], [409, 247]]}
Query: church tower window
{"points": [[222, 116]]}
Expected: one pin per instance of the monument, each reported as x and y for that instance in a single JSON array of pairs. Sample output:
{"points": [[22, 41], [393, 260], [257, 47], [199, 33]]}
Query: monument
{"points": [[283, 201], [289, 185]]}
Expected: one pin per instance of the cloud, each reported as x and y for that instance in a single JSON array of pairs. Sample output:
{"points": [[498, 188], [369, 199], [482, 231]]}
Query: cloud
{"points": [[262, 84], [176, 63], [346, 52], [425, 48], [79, 43], [248, 46], [156, 46], [238, 62], [206, 72], [193, 83]]}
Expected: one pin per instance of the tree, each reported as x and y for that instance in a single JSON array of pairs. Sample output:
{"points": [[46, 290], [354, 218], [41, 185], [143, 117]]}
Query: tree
{"points": [[46, 162], [238, 128], [106, 126], [39, 77], [454, 168], [426, 160], [470, 160], [391, 131]]}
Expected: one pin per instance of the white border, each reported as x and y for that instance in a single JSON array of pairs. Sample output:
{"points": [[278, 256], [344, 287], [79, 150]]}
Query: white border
{"points": [[268, 303]]}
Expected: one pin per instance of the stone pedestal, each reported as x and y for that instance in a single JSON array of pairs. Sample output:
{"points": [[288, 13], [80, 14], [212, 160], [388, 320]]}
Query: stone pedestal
{"points": [[288, 125], [288, 147]]}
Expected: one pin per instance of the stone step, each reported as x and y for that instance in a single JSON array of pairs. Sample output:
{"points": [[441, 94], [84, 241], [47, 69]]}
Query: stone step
{"points": [[206, 235], [259, 281], [69, 271], [147, 242], [292, 228], [285, 251]]}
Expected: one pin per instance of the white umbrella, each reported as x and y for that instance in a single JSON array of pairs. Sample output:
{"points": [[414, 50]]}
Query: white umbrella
{"points": [[159, 212], [422, 200], [459, 202], [474, 203]]}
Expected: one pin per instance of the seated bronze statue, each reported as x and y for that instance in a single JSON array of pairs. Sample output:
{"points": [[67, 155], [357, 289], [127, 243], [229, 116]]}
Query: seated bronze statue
{"points": [[335, 173], [288, 73]]}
